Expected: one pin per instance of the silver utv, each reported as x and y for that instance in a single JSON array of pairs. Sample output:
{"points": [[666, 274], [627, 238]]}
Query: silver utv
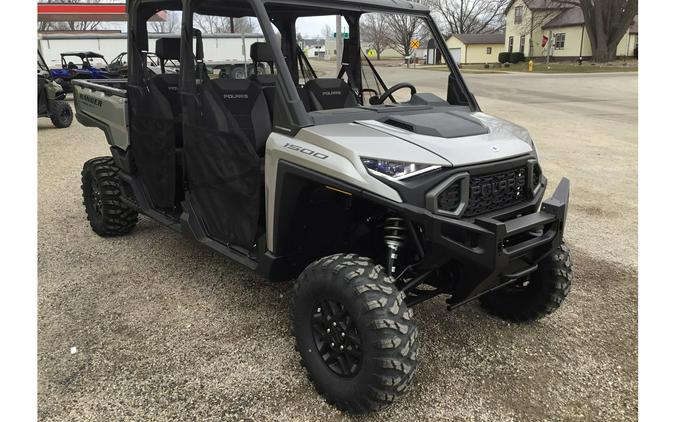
{"points": [[372, 196]]}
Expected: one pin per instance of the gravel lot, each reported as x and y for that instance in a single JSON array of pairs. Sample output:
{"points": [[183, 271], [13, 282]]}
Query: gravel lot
{"points": [[168, 330]]}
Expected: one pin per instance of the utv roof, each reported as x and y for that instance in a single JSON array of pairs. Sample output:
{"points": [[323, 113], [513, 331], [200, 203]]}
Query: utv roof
{"points": [[82, 54], [369, 5], [239, 8]]}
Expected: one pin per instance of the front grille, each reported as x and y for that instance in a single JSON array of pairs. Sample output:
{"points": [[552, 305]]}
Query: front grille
{"points": [[491, 192]]}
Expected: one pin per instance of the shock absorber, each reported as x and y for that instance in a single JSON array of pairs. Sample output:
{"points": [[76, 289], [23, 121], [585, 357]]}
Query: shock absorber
{"points": [[394, 237]]}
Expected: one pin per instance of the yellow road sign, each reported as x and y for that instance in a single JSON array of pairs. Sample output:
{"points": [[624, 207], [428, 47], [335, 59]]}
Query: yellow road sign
{"points": [[371, 53], [414, 43]]}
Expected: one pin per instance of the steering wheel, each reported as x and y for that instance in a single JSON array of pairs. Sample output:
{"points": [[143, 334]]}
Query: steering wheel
{"points": [[388, 93]]}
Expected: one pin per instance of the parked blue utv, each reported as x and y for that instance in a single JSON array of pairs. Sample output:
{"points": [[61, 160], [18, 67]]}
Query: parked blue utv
{"points": [[80, 65]]}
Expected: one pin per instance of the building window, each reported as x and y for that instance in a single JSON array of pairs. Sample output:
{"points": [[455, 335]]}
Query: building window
{"points": [[519, 14], [510, 44], [521, 47], [489, 50], [559, 41]]}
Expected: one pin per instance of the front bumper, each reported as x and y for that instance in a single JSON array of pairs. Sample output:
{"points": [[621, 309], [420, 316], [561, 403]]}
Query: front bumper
{"points": [[493, 250]]}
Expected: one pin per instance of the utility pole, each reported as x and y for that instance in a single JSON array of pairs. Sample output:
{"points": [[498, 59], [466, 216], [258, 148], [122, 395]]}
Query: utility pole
{"points": [[338, 43]]}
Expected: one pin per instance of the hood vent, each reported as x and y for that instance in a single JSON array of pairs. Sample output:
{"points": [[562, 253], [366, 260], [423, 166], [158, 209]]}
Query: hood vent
{"points": [[441, 125], [399, 124]]}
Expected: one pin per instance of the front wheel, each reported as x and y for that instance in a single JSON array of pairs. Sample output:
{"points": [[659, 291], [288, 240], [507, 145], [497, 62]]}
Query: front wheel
{"points": [[536, 295], [60, 113], [354, 333]]}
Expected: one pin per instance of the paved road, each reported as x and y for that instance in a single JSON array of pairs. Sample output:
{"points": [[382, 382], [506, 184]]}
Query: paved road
{"points": [[168, 330]]}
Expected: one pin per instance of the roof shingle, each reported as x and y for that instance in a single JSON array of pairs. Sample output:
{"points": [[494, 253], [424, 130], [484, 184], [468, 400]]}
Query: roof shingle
{"points": [[574, 16], [570, 17]]}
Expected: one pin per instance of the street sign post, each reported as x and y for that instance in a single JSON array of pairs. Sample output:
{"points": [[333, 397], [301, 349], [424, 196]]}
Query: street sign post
{"points": [[414, 44]]}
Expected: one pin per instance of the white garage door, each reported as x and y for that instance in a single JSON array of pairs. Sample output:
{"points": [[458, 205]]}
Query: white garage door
{"points": [[456, 54]]}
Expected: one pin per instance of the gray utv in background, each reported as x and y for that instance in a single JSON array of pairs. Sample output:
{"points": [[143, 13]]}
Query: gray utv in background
{"points": [[372, 202], [51, 97]]}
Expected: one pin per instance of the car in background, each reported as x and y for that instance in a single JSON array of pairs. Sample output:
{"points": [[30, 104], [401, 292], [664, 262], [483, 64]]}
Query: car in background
{"points": [[80, 65]]}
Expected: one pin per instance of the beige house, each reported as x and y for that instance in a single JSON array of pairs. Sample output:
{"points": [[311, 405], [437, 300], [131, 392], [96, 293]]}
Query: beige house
{"points": [[475, 48], [528, 21]]}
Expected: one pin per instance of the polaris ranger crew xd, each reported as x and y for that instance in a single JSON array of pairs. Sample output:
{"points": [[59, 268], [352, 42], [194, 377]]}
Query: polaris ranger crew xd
{"points": [[373, 196]]}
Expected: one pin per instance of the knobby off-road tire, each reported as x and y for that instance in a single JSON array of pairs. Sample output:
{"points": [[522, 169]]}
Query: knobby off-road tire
{"points": [[545, 291], [346, 301], [107, 214], [61, 114]]}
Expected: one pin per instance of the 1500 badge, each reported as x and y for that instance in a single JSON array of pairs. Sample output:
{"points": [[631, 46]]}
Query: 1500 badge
{"points": [[306, 151]]}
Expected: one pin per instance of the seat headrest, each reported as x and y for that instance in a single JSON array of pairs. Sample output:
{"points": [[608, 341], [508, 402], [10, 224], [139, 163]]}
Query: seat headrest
{"points": [[330, 93], [261, 52], [168, 48], [265, 79]]}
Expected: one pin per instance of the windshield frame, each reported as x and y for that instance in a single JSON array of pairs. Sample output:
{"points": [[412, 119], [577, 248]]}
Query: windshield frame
{"points": [[345, 9]]}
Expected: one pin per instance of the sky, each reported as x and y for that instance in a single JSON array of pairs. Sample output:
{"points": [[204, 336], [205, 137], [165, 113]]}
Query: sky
{"points": [[311, 26]]}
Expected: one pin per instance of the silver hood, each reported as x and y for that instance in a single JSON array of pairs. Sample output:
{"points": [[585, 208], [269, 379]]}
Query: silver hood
{"points": [[502, 140]]}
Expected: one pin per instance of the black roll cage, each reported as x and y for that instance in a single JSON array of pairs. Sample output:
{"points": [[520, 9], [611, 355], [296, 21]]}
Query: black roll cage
{"points": [[42, 64], [84, 56], [282, 14]]}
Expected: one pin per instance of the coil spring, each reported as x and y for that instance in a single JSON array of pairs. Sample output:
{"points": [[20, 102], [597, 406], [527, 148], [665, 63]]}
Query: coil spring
{"points": [[394, 237], [394, 231]]}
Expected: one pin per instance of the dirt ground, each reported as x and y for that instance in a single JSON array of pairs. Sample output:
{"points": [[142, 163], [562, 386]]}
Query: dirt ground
{"points": [[168, 330]]}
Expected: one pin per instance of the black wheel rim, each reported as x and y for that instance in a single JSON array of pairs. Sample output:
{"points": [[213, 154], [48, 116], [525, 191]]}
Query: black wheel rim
{"points": [[65, 113], [336, 337], [96, 199]]}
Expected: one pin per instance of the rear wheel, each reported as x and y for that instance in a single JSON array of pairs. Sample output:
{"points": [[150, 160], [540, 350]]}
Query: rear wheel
{"points": [[60, 113], [536, 295], [107, 214], [354, 333]]}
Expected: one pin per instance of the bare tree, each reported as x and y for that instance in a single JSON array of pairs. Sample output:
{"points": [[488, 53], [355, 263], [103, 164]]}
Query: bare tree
{"points": [[221, 24], [168, 26], [375, 32], [402, 29], [45, 26], [606, 23], [70, 25], [210, 24], [246, 25], [326, 31], [470, 16]]}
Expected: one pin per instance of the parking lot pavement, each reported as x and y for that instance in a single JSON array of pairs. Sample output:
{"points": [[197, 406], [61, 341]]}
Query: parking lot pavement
{"points": [[168, 330]]}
